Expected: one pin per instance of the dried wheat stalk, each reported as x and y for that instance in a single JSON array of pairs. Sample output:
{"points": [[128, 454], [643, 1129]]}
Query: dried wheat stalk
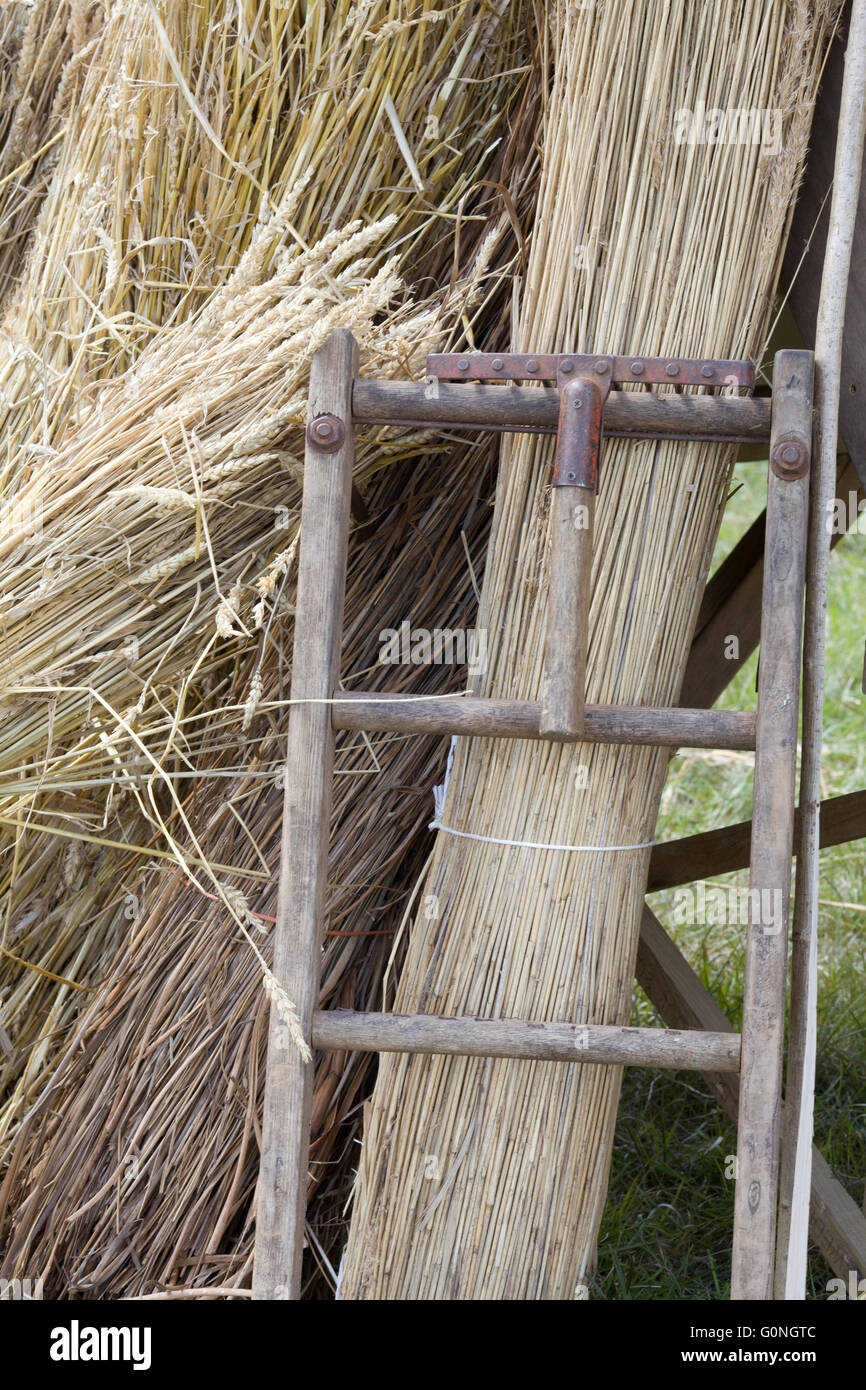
{"points": [[172, 306]]}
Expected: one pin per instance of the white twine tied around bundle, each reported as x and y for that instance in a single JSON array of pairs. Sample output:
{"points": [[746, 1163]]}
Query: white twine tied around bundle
{"points": [[440, 793]]}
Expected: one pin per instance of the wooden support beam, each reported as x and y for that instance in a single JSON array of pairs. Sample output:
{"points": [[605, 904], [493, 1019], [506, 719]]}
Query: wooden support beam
{"points": [[325, 511], [641, 413], [714, 852], [340, 1030], [465, 714], [758, 1136], [836, 1223]]}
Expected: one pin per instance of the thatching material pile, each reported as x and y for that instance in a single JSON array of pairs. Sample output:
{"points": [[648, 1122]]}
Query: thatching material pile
{"points": [[230, 182], [242, 185]]}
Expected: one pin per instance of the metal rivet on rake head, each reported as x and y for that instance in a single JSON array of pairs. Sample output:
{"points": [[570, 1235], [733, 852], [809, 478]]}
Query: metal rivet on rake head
{"points": [[532, 365], [566, 367], [707, 371], [673, 369], [497, 364], [637, 368], [463, 364], [578, 403], [601, 366]]}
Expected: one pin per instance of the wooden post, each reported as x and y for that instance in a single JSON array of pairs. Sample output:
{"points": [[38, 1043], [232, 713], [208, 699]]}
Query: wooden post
{"points": [[723, 851], [325, 514], [772, 830]]}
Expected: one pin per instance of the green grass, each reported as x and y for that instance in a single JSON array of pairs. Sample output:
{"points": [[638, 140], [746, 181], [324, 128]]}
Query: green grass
{"points": [[666, 1230]]}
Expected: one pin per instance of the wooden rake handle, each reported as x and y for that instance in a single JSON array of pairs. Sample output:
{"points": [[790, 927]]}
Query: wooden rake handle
{"points": [[575, 476]]}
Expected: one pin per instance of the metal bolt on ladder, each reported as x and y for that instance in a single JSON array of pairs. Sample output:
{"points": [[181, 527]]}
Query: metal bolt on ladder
{"points": [[458, 393]]}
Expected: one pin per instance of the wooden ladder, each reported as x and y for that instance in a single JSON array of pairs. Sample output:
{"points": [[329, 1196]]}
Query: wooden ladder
{"points": [[457, 392]]}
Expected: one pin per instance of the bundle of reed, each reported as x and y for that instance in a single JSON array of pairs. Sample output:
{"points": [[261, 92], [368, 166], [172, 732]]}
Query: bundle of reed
{"points": [[486, 1179], [146, 619]]}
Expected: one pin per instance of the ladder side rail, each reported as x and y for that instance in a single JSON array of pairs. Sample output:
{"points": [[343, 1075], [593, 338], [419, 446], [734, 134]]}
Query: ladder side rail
{"points": [[325, 512], [763, 1033]]}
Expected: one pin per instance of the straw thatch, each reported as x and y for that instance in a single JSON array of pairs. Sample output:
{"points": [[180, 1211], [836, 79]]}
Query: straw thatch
{"points": [[154, 1107], [487, 1178], [43, 54], [152, 526]]}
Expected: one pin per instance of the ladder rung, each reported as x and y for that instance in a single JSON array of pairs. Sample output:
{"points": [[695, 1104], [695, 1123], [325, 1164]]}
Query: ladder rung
{"points": [[672, 727], [643, 413], [338, 1030]]}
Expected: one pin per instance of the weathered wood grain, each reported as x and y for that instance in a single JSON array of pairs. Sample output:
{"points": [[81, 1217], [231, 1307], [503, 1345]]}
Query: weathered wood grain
{"points": [[563, 705], [459, 714], [772, 842], [347, 1030], [537, 408], [325, 514], [722, 851]]}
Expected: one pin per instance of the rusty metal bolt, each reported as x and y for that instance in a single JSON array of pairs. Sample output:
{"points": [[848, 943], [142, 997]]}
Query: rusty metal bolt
{"points": [[497, 364], [789, 459], [463, 364], [673, 369], [566, 366], [532, 365], [601, 366], [707, 371], [326, 432], [636, 368]]}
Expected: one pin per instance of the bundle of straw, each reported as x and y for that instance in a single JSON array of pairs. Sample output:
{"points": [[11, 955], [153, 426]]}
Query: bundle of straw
{"points": [[283, 172], [152, 1111], [108, 637], [43, 53], [487, 1178], [193, 122], [130, 533]]}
